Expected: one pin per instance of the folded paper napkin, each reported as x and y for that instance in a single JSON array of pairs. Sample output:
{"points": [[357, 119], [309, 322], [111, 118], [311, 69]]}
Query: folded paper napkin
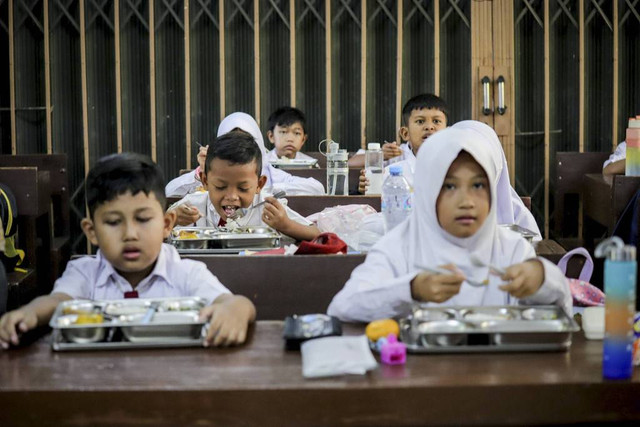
{"points": [[330, 356]]}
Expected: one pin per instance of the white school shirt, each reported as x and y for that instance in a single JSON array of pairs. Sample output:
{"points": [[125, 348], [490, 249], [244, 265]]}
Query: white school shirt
{"points": [[201, 201], [272, 156], [381, 287], [619, 154], [95, 278]]}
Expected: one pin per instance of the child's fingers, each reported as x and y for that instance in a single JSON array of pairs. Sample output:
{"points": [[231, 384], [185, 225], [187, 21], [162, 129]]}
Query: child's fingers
{"points": [[515, 287]]}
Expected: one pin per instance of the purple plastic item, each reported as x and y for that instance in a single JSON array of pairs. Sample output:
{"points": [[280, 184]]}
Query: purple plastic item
{"points": [[393, 352]]}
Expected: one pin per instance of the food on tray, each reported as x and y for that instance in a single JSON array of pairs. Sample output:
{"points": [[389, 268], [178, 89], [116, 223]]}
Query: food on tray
{"points": [[86, 319], [187, 234], [75, 310], [483, 317]]}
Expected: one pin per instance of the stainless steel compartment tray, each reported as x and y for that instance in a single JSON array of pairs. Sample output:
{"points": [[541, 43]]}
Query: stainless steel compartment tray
{"points": [[119, 324], [486, 329], [212, 240]]}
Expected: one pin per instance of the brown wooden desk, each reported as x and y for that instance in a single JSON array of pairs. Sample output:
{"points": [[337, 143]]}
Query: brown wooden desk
{"points": [[606, 196], [283, 285], [261, 384]]}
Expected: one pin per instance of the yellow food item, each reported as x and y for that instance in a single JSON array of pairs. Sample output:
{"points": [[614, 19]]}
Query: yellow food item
{"points": [[188, 234], [381, 328], [71, 310], [85, 319]]}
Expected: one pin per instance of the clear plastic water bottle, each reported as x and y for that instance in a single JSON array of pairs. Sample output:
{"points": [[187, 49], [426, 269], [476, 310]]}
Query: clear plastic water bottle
{"points": [[373, 168], [396, 198], [337, 173]]}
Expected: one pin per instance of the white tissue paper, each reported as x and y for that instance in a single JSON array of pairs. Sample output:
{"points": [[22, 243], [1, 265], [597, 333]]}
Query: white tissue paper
{"points": [[325, 357]]}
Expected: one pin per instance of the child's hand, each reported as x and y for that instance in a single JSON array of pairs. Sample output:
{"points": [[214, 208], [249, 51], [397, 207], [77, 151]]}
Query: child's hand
{"points": [[524, 278], [187, 215], [437, 287], [363, 182], [274, 214], [391, 150], [230, 317], [14, 323]]}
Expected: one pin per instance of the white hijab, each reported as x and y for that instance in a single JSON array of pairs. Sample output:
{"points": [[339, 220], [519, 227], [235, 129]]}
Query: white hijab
{"points": [[429, 244], [510, 209]]}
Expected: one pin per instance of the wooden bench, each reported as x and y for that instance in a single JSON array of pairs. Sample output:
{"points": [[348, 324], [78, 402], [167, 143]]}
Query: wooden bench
{"points": [[56, 165], [283, 285], [307, 205], [571, 168], [31, 189]]}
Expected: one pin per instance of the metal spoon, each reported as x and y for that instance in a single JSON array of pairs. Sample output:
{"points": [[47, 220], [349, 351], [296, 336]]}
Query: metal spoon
{"points": [[240, 212], [479, 263], [438, 270]]}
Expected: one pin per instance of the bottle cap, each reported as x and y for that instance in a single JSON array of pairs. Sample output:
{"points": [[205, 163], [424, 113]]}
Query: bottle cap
{"points": [[373, 146], [625, 253], [634, 123], [395, 170]]}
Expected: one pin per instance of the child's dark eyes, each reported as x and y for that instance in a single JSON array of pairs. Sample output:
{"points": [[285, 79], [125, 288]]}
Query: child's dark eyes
{"points": [[143, 219], [420, 121], [479, 185], [244, 190], [219, 188], [448, 186], [112, 222]]}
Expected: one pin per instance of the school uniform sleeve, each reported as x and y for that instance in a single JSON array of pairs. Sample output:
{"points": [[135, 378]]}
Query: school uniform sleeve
{"points": [[619, 154], [555, 288], [272, 156], [377, 289], [203, 283], [78, 279], [295, 185], [182, 185]]}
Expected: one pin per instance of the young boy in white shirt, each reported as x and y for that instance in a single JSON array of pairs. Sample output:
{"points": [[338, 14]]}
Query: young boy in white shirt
{"points": [[287, 133], [234, 180], [422, 116], [125, 198]]}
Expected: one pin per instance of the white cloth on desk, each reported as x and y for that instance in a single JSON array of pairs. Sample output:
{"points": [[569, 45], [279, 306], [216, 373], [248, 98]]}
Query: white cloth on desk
{"points": [[277, 179], [211, 217], [619, 154], [381, 286], [95, 278], [510, 208], [272, 156]]}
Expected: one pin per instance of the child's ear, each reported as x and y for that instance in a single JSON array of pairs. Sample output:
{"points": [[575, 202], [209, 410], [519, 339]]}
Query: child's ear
{"points": [[170, 218], [304, 138], [203, 178], [89, 230], [270, 136], [404, 133], [261, 182]]}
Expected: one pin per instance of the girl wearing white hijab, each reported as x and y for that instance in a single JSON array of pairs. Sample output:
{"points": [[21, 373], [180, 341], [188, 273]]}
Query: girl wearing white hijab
{"points": [[451, 221], [277, 179], [510, 209]]}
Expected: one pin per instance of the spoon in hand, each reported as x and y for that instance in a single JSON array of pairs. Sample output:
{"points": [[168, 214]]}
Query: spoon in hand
{"points": [[240, 212], [492, 268]]}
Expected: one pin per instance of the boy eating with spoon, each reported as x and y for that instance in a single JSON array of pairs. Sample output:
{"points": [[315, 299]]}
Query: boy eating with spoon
{"points": [[233, 179]]}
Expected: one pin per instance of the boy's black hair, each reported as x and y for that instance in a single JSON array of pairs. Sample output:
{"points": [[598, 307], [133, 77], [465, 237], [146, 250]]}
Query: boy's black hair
{"points": [[237, 147], [424, 100], [117, 174], [286, 116]]}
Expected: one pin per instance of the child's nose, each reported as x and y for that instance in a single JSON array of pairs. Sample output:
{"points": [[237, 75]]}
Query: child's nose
{"points": [[231, 195], [131, 230]]}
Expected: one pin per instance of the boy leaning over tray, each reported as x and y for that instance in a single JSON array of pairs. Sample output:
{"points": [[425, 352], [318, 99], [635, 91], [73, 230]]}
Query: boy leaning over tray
{"points": [[234, 180], [125, 197]]}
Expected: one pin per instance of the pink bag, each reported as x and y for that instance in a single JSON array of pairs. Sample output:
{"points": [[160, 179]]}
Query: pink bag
{"points": [[584, 293]]}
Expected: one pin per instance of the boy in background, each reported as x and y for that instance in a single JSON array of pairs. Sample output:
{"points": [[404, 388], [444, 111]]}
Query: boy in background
{"points": [[287, 133], [234, 180], [422, 116], [125, 197]]}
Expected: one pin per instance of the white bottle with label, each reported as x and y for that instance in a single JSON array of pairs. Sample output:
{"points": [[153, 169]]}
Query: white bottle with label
{"points": [[373, 168]]}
